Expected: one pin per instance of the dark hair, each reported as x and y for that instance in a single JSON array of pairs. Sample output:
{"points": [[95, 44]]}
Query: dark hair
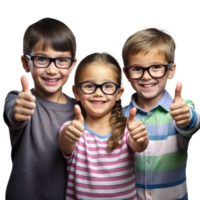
{"points": [[118, 122], [50, 32]]}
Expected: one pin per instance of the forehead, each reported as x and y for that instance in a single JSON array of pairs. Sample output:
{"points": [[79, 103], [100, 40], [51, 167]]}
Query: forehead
{"points": [[98, 72], [48, 50], [145, 59]]}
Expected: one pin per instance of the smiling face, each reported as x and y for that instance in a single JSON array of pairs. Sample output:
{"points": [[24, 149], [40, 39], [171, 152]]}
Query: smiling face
{"points": [[48, 81], [148, 88], [97, 104]]}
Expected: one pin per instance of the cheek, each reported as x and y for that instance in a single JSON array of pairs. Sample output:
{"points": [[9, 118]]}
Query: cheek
{"points": [[134, 83]]}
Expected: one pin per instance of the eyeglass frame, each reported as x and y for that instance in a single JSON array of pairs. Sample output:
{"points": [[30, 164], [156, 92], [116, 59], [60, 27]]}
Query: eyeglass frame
{"points": [[168, 66], [51, 59], [98, 86]]}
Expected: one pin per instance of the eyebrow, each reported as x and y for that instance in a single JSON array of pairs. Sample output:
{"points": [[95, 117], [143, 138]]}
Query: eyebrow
{"points": [[45, 55], [104, 81], [138, 65]]}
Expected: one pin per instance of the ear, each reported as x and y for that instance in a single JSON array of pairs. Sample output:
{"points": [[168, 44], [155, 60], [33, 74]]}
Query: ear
{"points": [[171, 71], [126, 73], [75, 91], [73, 64], [119, 93], [25, 64]]}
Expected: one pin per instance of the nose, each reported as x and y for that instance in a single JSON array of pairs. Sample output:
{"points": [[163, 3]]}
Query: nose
{"points": [[98, 92], [146, 75], [52, 69]]}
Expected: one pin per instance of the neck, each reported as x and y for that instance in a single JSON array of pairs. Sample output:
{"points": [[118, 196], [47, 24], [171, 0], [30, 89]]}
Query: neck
{"points": [[148, 104], [100, 125]]}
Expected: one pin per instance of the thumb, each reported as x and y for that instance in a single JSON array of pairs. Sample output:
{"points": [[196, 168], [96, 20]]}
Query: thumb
{"points": [[25, 87], [178, 90], [131, 115], [78, 114]]}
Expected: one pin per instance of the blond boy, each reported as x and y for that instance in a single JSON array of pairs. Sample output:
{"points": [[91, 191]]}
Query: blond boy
{"points": [[148, 57]]}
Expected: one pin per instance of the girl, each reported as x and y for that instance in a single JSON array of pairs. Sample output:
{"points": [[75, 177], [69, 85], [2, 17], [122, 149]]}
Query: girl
{"points": [[98, 147]]}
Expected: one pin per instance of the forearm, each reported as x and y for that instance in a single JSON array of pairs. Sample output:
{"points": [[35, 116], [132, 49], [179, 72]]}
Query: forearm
{"points": [[138, 146], [64, 144]]}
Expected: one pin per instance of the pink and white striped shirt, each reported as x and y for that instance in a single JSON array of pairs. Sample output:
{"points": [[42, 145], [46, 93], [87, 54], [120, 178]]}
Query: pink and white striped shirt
{"points": [[93, 173]]}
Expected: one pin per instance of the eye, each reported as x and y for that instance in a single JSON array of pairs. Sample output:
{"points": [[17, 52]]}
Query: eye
{"points": [[41, 59], [63, 60], [135, 69], [88, 85], [108, 85], [156, 67]]}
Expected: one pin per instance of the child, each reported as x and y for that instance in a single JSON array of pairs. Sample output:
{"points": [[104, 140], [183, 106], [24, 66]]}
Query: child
{"points": [[97, 146], [148, 57], [35, 116]]}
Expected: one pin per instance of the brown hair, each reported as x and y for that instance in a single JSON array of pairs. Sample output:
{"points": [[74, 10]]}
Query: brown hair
{"points": [[50, 32], [146, 40], [118, 122]]}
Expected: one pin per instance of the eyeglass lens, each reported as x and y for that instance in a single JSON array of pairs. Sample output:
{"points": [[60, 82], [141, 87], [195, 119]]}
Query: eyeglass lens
{"points": [[155, 71], [108, 88], [60, 62]]}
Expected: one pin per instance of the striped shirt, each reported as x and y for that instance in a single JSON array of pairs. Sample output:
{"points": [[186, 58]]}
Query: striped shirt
{"points": [[93, 173], [160, 169]]}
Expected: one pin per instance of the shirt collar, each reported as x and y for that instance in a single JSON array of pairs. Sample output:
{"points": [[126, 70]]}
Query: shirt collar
{"points": [[164, 102]]}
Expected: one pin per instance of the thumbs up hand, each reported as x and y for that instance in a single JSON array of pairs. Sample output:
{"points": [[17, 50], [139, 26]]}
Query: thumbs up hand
{"points": [[180, 111], [74, 130], [25, 103], [136, 128]]}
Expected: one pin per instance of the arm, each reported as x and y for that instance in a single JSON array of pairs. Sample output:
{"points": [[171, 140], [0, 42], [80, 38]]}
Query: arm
{"points": [[19, 107], [65, 145], [71, 132], [138, 146], [138, 139], [186, 119]]}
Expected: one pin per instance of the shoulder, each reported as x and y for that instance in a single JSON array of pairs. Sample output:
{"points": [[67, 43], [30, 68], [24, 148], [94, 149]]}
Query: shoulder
{"points": [[12, 95], [190, 103], [71, 100]]}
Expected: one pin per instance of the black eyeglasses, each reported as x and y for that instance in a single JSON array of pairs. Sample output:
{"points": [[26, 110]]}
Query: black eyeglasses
{"points": [[155, 71], [44, 62], [90, 87]]}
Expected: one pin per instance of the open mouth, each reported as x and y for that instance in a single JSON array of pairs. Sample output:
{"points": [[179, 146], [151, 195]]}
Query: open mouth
{"points": [[98, 102], [50, 80], [148, 85]]}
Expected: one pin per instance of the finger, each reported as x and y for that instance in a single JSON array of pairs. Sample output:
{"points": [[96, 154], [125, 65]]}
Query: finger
{"points": [[131, 115], [78, 114], [26, 96], [183, 123], [23, 111], [142, 139], [136, 128], [180, 111], [76, 127], [178, 90], [25, 87], [25, 104], [177, 105], [71, 137], [140, 135], [20, 117]]}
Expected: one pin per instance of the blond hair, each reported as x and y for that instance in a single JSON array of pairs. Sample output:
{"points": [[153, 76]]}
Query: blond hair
{"points": [[146, 40]]}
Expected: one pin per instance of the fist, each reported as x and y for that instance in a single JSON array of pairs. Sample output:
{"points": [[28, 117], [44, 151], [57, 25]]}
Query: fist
{"points": [[136, 128], [25, 103], [75, 129], [180, 111]]}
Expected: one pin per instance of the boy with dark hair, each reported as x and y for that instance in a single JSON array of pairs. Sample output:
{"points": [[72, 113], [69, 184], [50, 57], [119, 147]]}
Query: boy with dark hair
{"points": [[35, 116]]}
